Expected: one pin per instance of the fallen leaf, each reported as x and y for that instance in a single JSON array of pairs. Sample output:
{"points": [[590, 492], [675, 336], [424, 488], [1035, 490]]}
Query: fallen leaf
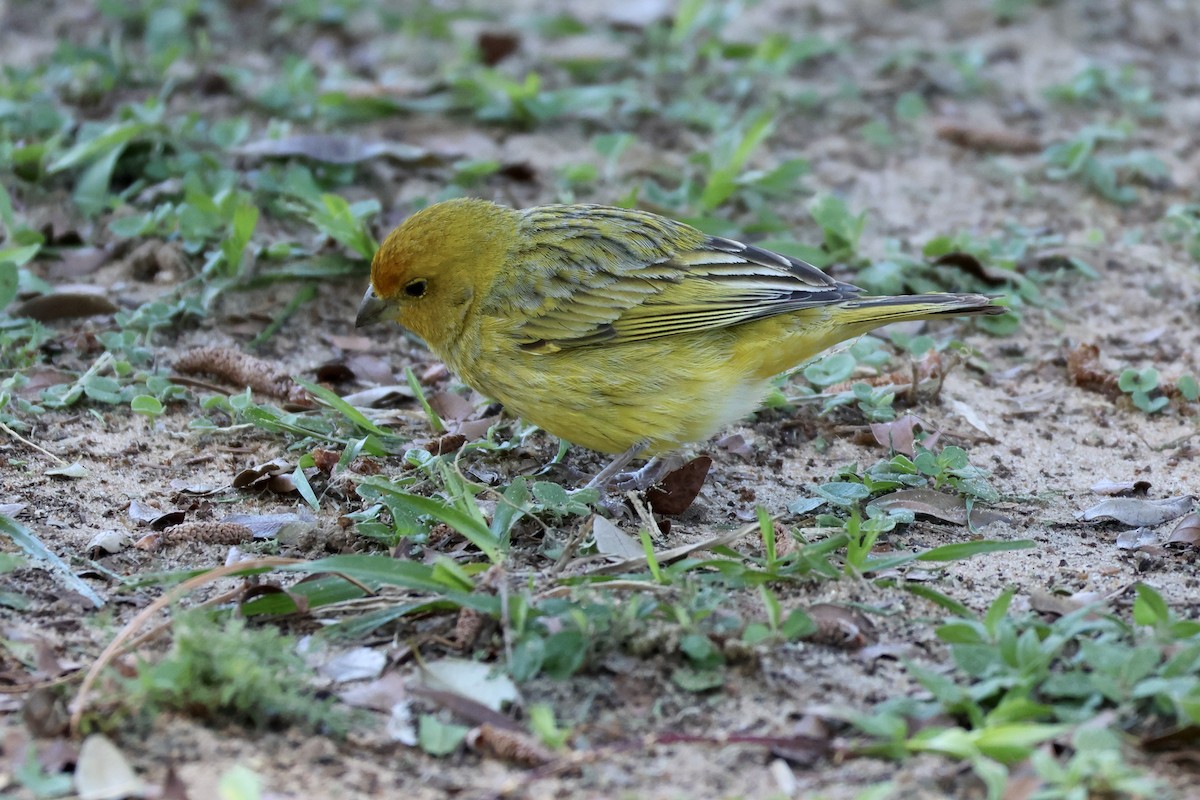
{"points": [[898, 435], [736, 443], [938, 505], [1117, 488], [382, 694], [1143, 513], [332, 149], [378, 396], [1060, 605], [452, 407], [259, 476], [495, 46], [106, 542], [474, 680], [350, 342], [43, 711], [287, 528], [72, 470], [66, 305], [103, 773], [676, 492], [971, 416], [1136, 538], [987, 139], [355, 664], [1187, 531], [75, 262], [612, 541], [41, 378], [839, 626]]}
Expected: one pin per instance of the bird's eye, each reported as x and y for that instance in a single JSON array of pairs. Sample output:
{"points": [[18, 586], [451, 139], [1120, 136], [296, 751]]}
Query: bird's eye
{"points": [[415, 288]]}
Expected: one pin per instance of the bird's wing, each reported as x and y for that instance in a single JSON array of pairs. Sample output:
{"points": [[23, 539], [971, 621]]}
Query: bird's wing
{"points": [[651, 287]]}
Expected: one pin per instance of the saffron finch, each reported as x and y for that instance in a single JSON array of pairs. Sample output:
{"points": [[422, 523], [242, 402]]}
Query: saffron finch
{"points": [[616, 329]]}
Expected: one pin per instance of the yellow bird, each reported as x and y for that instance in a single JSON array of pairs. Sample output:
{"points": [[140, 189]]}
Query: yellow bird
{"points": [[616, 329]]}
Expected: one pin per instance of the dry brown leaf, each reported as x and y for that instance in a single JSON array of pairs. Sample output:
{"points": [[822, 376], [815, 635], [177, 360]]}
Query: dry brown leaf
{"points": [[838, 626], [1187, 532], [495, 46], [976, 137], [970, 264], [676, 492], [260, 475], [1084, 370], [83, 302], [898, 435]]}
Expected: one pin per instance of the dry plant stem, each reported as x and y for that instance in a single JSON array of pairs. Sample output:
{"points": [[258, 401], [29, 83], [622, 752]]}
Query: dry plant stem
{"points": [[572, 546], [611, 586], [676, 553], [28, 443], [79, 704], [644, 514]]}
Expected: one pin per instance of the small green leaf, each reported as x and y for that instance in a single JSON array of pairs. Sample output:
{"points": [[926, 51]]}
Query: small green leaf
{"points": [[9, 278], [439, 738], [1149, 608], [146, 404], [1188, 387]]}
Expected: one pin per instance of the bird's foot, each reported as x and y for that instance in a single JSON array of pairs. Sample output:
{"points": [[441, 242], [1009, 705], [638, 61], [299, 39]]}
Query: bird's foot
{"points": [[651, 473]]}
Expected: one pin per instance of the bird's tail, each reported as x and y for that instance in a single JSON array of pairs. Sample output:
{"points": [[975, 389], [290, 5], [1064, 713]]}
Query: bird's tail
{"points": [[878, 311]]}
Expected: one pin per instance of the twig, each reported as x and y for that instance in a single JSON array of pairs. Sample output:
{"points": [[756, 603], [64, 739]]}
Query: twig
{"points": [[79, 704], [28, 443], [676, 553]]}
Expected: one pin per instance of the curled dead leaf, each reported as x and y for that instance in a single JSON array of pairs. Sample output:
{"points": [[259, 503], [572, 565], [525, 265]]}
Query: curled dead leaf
{"points": [[838, 626], [66, 305], [1136, 539], [938, 505], [899, 434], [987, 139], [1059, 605], [1119, 488], [1187, 532], [1139, 512], [259, 475]]}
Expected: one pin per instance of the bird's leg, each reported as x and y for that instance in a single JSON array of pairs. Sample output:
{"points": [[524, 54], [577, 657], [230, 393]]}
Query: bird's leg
{"points": [[605, 476]]}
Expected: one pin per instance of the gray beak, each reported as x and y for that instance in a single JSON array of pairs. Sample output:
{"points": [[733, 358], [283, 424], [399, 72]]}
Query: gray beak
{"points": [[370, 310]]}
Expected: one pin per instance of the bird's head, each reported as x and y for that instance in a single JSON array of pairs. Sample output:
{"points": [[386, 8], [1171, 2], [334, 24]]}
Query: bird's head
{"points": [[430, 269]]}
